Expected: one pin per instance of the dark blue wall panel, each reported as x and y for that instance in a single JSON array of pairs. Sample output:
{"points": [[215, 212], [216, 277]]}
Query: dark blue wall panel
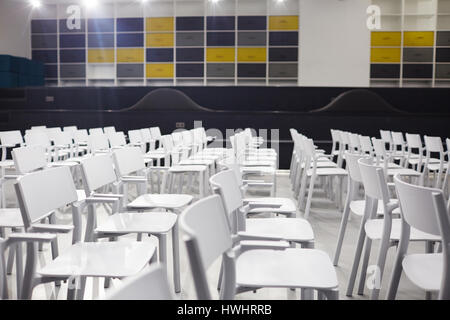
{"points": [[51, 71], [190, 23], [189, 70], [252, 22], [220, 23], [190, 54], [220, 38], [43, 26], [69, 56], [101, 40], [129, 24], [288, 38], [130, 40], [251, 70], [100, 25], [72, 41], [159, 55], [45, 56], [283, 54]]}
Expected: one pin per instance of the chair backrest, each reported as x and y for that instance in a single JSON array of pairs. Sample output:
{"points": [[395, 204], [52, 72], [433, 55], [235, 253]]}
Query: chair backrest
{"points": [[109, 130], [177, 138], [380, 148], [353, 166], [52, 132], [187, 137], [11, 138], [167, 142], [386, 136], [207, 237], [128, 160], [97, 171], [146, 135], [366, 144], [151, 284], [117, 139], [373, 179], [29, 159], [96, 131], [156, 133], [135, 136], [38, 127], [37, 138], [413, 141], [355, 144], [433, 144], [70, 130], [397, 138], [62, 139], [81, 136], [416, 203], [41, 192], [227, 185], [98, 141]]}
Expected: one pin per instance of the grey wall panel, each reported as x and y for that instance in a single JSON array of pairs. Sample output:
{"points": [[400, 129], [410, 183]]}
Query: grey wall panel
{"points": [[73, 70], [219, 70], [190, 39], [130, 70], [252, 38], [283, 70]]}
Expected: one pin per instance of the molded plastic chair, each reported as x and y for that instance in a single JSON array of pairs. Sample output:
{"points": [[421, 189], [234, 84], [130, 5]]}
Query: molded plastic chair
{"points": [[423, 209], [434, 145], [250, 265], [88, 259]]}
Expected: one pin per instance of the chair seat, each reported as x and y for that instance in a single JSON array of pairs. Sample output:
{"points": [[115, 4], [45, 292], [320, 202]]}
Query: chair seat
{"points": [[415, 160], [155, 154], [403, 172], [424, 270], [187, 168], [66, 163], [258, 170], [205, 157], [11, 218], [146, 222], [101, 259], [328, 172], [357, 207], [169, 201], [290, 229], [286, 205], [436, 166], [7, 163], [324, 164], [257, 163], [374, 230], [290, 268], [196, 162]]}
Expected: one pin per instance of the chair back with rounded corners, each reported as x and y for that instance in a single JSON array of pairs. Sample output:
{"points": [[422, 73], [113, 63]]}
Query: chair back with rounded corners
{"points": [[109, 130], [227, 185], [353, 166], [53, 132], [355, 144], [128, 160], [81, 136], [373, 179], [366, 144], [433, 144], [70, 130], [117, 139], [29, 159], [41, 192], [416, 203], [96, 131], [386, 136], [146, 135], [37, 138], [397, 138], [345, 138], [97, 171], [11, 138], [207, 237], [98, 141], [177, 138], [167, 142], [187, 137], [151, 284], [379, 147], [63, 139], [156, 133], [413, 141], [135, 136]]}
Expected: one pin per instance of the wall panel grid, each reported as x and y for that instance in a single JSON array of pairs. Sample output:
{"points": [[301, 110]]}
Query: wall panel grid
{"points": [[168, 42], [412, 48]]}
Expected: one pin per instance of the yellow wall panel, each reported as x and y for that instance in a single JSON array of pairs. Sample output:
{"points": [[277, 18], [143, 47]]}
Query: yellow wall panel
{"points": [[130, 55], [252, 54], [159, 40], [283, 22], [160, 24], [159, 70], [101, 55], [418, 38], [220, 54], [387, 39], [385, 54]]}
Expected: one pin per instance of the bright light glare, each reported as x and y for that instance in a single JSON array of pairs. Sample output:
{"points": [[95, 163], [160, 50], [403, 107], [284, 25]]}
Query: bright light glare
{"points": [[90, 3], [35, 3]]}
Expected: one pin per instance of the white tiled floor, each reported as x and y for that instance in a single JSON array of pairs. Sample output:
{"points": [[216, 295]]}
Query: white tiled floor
{"points": [[324, 218]]}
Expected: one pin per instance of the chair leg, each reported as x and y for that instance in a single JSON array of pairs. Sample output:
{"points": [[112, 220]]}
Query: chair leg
{"points": [[19, 268], [310, 194], [162, 239], [10, 262], [176, 257], [362, 277], [381, 261], [344, 221], [359, 248], [332, 294]]}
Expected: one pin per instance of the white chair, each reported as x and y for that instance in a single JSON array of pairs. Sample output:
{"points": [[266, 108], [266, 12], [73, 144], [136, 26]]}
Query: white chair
{"points": [[98, 143], [82, 259], [9, 139], [150, 284], [96, 131], [386, 137], [117, 140], [109, 130], [434, 145], [147, 139], [422, 209], [387, 230], [366, 145], [98, 173], [208, 237]]}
